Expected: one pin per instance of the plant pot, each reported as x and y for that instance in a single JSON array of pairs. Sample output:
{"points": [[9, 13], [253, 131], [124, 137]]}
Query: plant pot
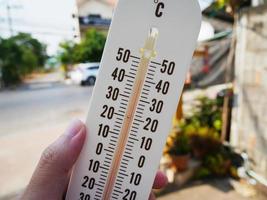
{"points": [[180, 162]]}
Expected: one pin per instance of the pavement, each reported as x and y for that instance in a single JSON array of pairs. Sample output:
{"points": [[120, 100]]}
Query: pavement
{"points": [[31, 117], [219, 189]]}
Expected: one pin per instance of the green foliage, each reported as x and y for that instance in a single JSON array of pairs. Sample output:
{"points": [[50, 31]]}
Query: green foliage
{"points": [[67, 52], [89, 50], [203, 127], [67, 55], [19, 56], [91, 47], [178, 144], [206, 119], [219, 4], [215, 164], [235, 5], [199, 131]]}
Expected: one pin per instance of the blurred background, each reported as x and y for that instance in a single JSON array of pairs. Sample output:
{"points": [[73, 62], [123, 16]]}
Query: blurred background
{"points": [[49, 61]]}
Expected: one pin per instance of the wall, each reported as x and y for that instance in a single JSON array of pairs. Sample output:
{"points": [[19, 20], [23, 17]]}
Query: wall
{"points": [[101, 7], [249, 127]]}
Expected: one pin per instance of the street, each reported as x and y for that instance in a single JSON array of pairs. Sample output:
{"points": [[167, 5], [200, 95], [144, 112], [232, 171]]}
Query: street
{"points": [[32, 117], [24, 110]]}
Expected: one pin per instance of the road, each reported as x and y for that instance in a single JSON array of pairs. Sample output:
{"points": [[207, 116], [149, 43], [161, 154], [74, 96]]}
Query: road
{"points": [[25, 110], [31, 118], [216, 188]]}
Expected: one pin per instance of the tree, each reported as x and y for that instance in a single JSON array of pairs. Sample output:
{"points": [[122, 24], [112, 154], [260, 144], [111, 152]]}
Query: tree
{"points": [[89, 50], [20, 55], [91, 47], [66, 55]]}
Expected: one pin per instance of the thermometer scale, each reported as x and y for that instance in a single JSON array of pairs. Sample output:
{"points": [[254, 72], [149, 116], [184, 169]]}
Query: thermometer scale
{"points": [[135, 97]]}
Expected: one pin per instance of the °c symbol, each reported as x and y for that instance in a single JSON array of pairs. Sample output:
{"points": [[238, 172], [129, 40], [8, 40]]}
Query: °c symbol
{"points": [[159, 9]]}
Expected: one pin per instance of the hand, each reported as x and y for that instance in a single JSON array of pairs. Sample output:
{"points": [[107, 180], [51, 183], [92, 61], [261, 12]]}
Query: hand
{"points": [[52, 174]]}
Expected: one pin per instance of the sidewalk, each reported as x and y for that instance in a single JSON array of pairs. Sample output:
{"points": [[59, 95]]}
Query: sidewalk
{"points": [[19, 156], [31, 118], [219, 189]]}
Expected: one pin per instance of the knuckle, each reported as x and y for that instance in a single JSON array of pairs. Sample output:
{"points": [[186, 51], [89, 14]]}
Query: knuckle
{"points": [[49, 156]]}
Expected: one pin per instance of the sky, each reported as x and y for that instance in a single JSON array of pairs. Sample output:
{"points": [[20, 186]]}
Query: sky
{"points": [[47, 20]]}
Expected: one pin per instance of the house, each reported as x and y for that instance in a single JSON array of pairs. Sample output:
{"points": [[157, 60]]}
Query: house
{"points": [[100, 7], [95, 14], [249, 133]]}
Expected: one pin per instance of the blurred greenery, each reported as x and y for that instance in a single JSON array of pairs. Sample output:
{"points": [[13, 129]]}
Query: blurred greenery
{"points": [[235, 5], [20, 55], [178, 144], [66, 55], [206, 119], [90, 49], [221, 3], [199, 133]]}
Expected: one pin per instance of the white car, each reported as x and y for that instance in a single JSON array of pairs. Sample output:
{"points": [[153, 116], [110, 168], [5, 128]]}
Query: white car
{"points": [[85, 73]]}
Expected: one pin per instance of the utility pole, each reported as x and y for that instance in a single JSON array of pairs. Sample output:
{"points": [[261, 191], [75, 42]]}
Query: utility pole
{"points": [[9, 6], [76, 28], [9, 19]]}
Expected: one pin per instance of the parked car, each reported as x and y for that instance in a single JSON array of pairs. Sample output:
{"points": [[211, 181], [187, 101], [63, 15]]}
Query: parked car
{"points": [[85, 73]]}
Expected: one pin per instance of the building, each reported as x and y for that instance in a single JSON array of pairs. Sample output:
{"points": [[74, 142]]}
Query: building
{"points": [[249, 133], [92, 7], [95, 14]]}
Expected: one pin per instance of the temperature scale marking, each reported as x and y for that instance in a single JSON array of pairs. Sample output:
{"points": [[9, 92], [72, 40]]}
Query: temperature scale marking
{"points": [[134, 98], [147, 53]]}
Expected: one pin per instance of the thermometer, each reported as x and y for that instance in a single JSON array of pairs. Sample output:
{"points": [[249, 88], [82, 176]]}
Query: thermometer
{"points": [[147, 53]]}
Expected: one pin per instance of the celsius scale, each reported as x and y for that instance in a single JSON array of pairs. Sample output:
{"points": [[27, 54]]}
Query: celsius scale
{"points": [[147, 54]]}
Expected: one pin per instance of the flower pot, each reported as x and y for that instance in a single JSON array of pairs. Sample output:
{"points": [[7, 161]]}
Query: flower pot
{"points": [[180, 162]]}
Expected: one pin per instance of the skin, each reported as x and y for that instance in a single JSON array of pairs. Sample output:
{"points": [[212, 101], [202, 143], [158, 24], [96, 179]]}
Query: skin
{"points": [[52, 174]]}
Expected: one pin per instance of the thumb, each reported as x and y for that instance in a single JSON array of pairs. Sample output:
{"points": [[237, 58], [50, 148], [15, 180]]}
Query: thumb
{"points": [[51, 176]]}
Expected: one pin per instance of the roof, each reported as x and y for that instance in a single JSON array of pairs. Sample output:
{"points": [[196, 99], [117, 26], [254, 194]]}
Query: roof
{"points": [[112, 3]]}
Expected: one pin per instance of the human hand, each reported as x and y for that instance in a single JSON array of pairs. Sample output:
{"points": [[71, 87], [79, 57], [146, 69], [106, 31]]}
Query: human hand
{"points": [[52, 174]]}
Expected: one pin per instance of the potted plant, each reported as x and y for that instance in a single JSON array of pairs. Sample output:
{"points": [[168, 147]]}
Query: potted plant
{"points": [[203, 127], [178, 148]]}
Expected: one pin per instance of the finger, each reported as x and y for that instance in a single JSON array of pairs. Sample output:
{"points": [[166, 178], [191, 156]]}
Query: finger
{"points": [[152, 196], [160, 180], [52, 173]]}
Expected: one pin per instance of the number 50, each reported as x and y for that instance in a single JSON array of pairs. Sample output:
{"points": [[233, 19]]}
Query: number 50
{"points": [[123, 55], [167, 67]]}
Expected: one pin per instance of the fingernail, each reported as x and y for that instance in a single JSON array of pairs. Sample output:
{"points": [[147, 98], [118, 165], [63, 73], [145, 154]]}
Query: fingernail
{"points": [[74, 128]]}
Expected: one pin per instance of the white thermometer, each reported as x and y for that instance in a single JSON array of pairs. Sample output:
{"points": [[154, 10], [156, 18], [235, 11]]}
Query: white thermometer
{"points": [[148, 50]]}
